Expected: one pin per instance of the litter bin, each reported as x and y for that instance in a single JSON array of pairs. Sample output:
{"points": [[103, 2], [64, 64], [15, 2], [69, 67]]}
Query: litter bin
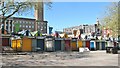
{"points": [[79, 44], [67, 42], [74, 44], [40, 43], [92, 45], [49, 43], [58, 44]]}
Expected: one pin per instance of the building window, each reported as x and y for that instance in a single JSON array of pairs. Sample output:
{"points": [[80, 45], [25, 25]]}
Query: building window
{"points": [[20, 25], [20, 22], [29, 22], [32, 26], [29, 26], [32, 22]]}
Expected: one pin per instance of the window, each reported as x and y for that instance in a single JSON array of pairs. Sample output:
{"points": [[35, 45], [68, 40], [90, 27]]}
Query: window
{"points": [[32, 26], [20, 25], [29, 26], [20, 22], [26, 22], [32, 22], [29, 22], [23, 26]]}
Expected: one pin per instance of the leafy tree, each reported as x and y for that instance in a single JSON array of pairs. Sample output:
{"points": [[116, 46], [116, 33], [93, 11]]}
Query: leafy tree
{"points": [[10, 7], [110, 20], [17, 27]]}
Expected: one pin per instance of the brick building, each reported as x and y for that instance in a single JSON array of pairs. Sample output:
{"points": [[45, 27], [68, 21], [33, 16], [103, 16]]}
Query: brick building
{"points": [[24, 24], [37, 24]]}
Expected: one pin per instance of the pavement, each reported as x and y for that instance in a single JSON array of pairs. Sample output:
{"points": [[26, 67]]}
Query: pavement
{"points": [[92, 58]]}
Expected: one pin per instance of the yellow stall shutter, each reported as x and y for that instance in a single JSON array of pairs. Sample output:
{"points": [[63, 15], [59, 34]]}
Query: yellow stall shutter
{"points": [[26, 44], [80, 43], [14, 44], [74, 47], [19, 43]]}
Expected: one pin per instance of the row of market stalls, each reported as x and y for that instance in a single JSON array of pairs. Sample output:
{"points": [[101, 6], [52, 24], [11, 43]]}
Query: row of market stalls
{"points": [[50, 43]]}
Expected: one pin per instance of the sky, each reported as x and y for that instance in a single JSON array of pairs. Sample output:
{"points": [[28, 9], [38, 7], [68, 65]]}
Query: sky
{"points": [[68, 14]]}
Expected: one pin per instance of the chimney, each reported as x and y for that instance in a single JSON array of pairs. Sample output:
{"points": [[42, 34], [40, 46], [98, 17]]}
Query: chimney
{"points": [[39, 13]]}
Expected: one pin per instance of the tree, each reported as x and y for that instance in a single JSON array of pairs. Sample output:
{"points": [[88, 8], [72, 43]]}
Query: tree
{"points": [[17, 27], [110, 20], [10, 7]]}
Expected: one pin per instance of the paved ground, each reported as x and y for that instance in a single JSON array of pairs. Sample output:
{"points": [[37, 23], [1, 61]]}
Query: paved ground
{"points": [[93, 58]]}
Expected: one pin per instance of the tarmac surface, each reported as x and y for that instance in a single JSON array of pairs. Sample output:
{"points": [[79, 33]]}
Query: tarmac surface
{"points": [[92, 58]]}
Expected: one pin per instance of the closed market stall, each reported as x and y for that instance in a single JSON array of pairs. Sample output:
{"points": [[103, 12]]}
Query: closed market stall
{"points": [[26, 44], [92, 45], [17, 44], [79, 42], [14, 44], [103, 45], [88, 44], [58, 44], [49, 43], [40, 43], [74, 44], [98, 44], [67, 43], [5, 40]]}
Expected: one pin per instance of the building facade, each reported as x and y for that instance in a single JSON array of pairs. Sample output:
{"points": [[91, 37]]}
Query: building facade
{"points": [[37, 24], [86, 29], [24, 24], [83, 29]]}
